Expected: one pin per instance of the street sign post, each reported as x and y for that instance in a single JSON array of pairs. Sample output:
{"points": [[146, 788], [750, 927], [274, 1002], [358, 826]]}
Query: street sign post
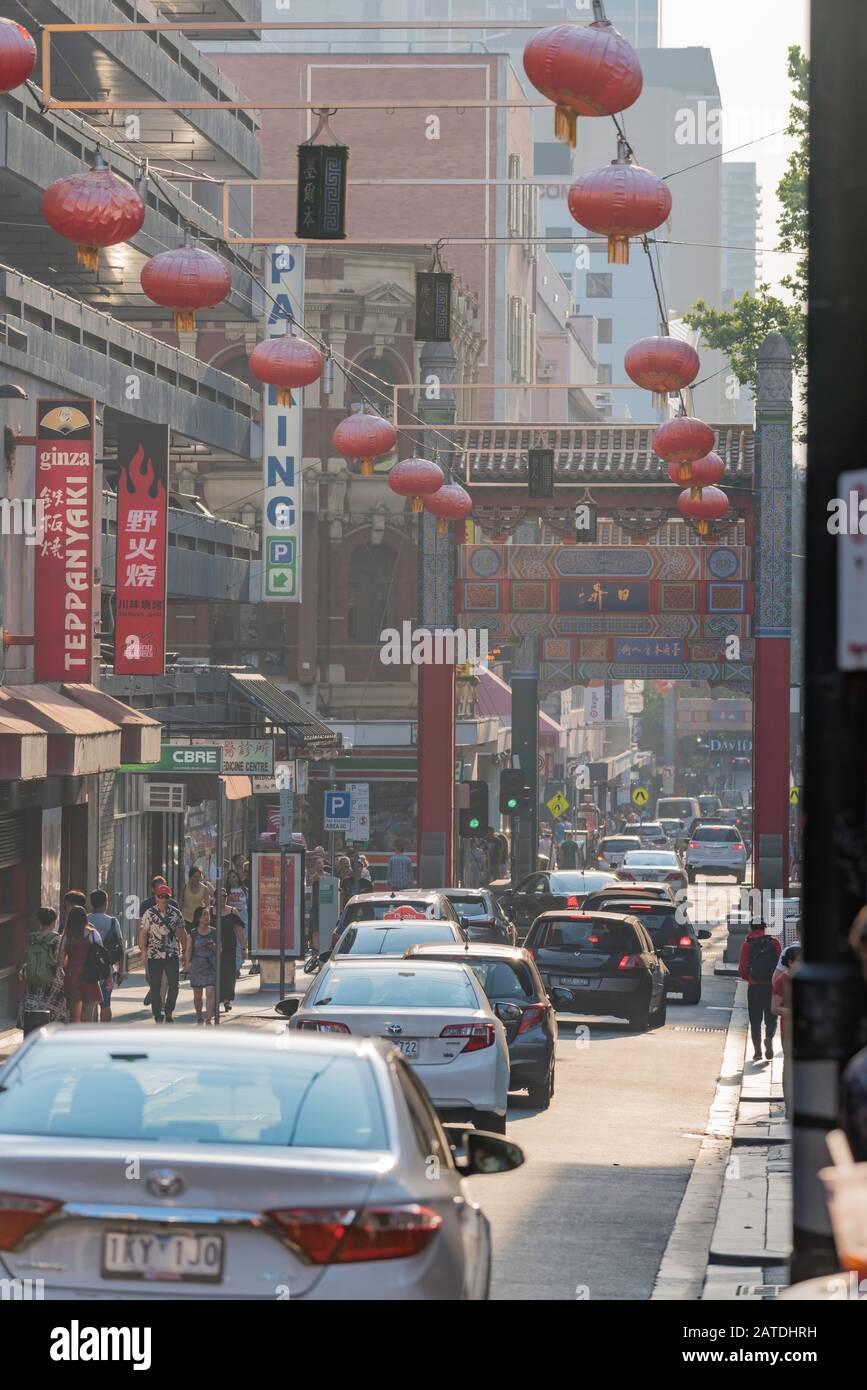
{"points": [[557, 805], [359, 820], [338, 810], [640, 796]]}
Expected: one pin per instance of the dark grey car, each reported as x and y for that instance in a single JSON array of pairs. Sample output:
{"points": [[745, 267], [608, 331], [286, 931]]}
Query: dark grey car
{"points": [[601, 963], [509, 977], [481, 915]]}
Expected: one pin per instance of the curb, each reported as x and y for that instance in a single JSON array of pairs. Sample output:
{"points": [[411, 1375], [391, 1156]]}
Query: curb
{"points": [[682, 1271]]}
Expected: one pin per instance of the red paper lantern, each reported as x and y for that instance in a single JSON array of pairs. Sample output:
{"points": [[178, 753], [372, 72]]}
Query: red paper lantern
{"points": [[661, 365], [17, 55], [416, 478], [287, 363], [588, 71], [683, 440], [184, 280], [93, 209], [704, 472], [365, 437], [620, 201], [703, 505], [450, 503]]}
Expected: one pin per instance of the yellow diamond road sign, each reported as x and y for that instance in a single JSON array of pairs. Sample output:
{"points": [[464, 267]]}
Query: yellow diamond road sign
{"points": [[794, 796], [558, 804], [640, 795]]}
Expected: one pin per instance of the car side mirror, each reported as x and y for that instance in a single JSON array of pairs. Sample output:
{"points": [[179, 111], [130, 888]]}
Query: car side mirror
{"points": [[324, 956], [560, 996], [508, 1013], [703, 934], [485, 1153], [287, 1007]]}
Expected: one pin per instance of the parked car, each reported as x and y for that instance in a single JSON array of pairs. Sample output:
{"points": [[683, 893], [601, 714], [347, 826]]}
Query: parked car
{"points": [[540, 892], [367, 906], [652, 866], [613, 847], [392, 938], [652, 834], [438, 1016], [677, 941], [718, 850], [509, 977], [481, 915], [600, 963], [240, 1137], [661, 892]]}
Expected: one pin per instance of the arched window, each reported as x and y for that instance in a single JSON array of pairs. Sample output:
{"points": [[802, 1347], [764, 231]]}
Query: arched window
{"points": [[371, 568]]}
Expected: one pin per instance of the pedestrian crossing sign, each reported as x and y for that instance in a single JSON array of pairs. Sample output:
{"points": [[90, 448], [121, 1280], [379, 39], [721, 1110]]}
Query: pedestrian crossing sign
{"points": [[557, 804], [794, 796], [640, 796]]}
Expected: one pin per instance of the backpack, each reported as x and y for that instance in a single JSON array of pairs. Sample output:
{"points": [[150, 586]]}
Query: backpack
{"points": [[97, 965], [41, 962], [112, 943], [763, 959]]}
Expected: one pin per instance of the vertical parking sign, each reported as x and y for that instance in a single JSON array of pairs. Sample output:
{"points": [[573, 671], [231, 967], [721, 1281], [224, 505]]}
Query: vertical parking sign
{"points": [[281, 439]]}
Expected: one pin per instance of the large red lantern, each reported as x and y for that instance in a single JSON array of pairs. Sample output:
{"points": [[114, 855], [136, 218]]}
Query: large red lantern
{"points": [[93, 209], [17, 55], [620, 201], [683, 440], [416, 478], [661, 365], [184, 280], [703, 505], [365, 437], [588, 71], [450, 503], [704, 472], [287, 363]]}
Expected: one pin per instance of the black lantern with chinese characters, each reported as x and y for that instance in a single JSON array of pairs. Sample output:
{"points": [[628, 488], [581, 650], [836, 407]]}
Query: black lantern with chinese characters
{"points": [[540, 472], [322, 182], [433, 306]]}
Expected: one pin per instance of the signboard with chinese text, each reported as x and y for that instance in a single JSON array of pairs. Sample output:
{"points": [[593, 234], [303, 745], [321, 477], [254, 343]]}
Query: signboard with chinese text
{"points": [[141, 549], [281, 442], [63, 619], [648, 649], [265, 921], [247, 756]]}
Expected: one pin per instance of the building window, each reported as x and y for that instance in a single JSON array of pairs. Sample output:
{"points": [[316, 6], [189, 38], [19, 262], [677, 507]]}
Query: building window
{"points": [[603, 330], [371, 569], [521, 339], [599, 284], [552, 157], [603, 373], [561, 247]]}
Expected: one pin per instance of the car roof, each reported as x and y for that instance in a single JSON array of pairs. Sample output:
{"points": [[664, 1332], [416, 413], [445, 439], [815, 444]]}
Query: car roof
{"points": [[472, 948], [398, 894], [132, 1037], [463, 892], [384, 962], [619, 887], [621, 835], [389, 924], [577, 913]]}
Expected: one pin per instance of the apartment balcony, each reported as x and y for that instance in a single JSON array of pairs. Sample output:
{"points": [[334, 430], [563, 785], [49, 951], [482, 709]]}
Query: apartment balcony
{"points": [[207, 558]]}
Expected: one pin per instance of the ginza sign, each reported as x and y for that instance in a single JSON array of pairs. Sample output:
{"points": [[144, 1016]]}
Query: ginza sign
{"points": [[63, 604]]}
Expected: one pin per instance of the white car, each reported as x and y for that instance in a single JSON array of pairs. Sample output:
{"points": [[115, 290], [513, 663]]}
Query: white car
{"points": [[652, 866], [140, 1163], [716, 849], [652, 835], [438, 1016], [612, 849]]}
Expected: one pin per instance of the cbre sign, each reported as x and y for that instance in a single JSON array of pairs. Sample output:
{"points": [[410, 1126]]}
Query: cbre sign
{"points": [[281, 442]]}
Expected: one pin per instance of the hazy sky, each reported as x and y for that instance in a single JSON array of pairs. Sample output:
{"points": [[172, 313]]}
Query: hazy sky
{"points": [[749, 40]]}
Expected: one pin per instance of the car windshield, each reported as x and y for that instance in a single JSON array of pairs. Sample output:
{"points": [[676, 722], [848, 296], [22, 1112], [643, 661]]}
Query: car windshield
{"points": [[724, 833], [651, 857], [391, 941], [618, 845], [658, 918], [586, 934], [471, 907], [651, 828], [683, 808], [577, 883], [402, 988], [281, 1099], [376, 910]]}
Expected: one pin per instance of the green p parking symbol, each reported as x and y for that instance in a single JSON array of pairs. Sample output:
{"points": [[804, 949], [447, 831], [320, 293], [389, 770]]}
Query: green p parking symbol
{"points": [[280, 567]]}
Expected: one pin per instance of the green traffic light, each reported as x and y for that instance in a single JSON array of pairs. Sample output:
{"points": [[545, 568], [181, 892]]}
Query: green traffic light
{"points": [[512, 803], [475, 823]]}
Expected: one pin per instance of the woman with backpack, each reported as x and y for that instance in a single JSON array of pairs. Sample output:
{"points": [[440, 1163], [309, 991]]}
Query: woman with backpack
{"points": [[43, 981], [85, 963]]}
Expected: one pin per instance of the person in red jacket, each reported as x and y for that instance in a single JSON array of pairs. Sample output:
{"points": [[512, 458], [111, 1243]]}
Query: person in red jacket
{"points": [[758, 961]]}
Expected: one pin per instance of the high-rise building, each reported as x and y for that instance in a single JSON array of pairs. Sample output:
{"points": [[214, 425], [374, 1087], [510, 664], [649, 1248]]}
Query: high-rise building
{"points": [[741, 212]]}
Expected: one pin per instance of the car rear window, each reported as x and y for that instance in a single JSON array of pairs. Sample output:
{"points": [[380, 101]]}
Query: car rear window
{"points": [[391, 941], [585, 934], [286, 1100], [622, 842], [470, 907], [725, 833], [375, 911], [653, 858], [401, 988]]}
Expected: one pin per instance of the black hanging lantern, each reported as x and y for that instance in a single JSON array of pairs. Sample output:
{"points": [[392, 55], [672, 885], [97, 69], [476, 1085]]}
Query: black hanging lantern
{"points": [[540, 472], [433, 303], [322, 182]]}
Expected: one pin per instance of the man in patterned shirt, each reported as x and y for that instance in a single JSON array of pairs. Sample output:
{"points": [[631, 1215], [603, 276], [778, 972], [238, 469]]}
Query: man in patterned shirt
{"points": [[401, 870], [162, 938]]}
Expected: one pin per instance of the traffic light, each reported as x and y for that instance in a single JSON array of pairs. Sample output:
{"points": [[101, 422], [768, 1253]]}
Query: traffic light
{"points": [[473, 819], [514, 792]]}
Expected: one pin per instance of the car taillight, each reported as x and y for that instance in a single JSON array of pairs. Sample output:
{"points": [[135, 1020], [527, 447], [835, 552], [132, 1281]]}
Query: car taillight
{"points": [[531, 951], [321, 1025], [685, 941], [630, 963], [572, 901], [533, 1016], [694, 844], [600, 858], [334, 1236], [478, 1035], [21, 1215]]}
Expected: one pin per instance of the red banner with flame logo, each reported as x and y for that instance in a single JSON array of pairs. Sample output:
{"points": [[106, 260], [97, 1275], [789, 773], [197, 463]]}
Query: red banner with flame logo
{"points": [[64, 598], [142, 541]]}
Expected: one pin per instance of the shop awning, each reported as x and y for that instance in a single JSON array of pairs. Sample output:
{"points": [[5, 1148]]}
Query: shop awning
{"points": [[303, 729], [494, 696], [79, 741], [140, 735], [23, 749], [236, 788]]}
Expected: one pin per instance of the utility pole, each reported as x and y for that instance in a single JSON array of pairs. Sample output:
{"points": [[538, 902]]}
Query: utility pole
{"points": [[830, 998]]}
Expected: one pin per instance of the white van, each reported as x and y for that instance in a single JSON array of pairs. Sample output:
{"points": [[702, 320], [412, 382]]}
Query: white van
{"points": [[681, 808]]}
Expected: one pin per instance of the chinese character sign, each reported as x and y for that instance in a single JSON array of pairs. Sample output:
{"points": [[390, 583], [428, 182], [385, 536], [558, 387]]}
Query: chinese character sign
{"points": [[142, 539], [64, 597]]}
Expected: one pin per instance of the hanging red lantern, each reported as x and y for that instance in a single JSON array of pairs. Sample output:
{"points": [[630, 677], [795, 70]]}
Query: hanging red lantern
{"points": [[184, 280], [416, 478], [587, 71], [704, 472], [287, 363], [703, 505], [661, 365], [93, 209], [683, 440], [365, 437], [450, 503], [620, 201], [17, 55]]}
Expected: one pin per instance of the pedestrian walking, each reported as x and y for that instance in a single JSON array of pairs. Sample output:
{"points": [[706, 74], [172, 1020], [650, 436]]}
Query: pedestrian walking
{"points": [[343, 869], [161, 939], [196, 893], [758, 959], [476, 864], [84, 964], [401, 870], [236, 896], [114, 946], [200, 961], [42, 973], [361, 869], [156, 882], [231, 933], [569, 853], [781, 1008], [74, 898]]}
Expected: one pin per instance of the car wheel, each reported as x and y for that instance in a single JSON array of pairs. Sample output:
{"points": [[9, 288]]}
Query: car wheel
{"points": [[657, 1018], [490, 1121], [692, 995], [540, 1094], [639, 1021]]}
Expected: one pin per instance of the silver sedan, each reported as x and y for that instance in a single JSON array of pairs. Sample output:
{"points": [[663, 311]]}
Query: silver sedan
{"points": [[141, 1164]]}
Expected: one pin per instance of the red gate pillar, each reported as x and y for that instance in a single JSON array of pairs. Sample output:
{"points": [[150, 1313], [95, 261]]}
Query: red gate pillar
{"points": [[772, 617], [436, 775]]}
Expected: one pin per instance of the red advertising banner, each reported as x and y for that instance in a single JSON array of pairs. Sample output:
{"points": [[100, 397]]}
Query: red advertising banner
{"points": [[63, 617], [142, 543], [265, 939]]}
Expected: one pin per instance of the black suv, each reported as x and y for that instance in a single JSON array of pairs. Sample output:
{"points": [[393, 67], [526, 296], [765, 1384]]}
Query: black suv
{"points": [[677, 941], [600, 963]]}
